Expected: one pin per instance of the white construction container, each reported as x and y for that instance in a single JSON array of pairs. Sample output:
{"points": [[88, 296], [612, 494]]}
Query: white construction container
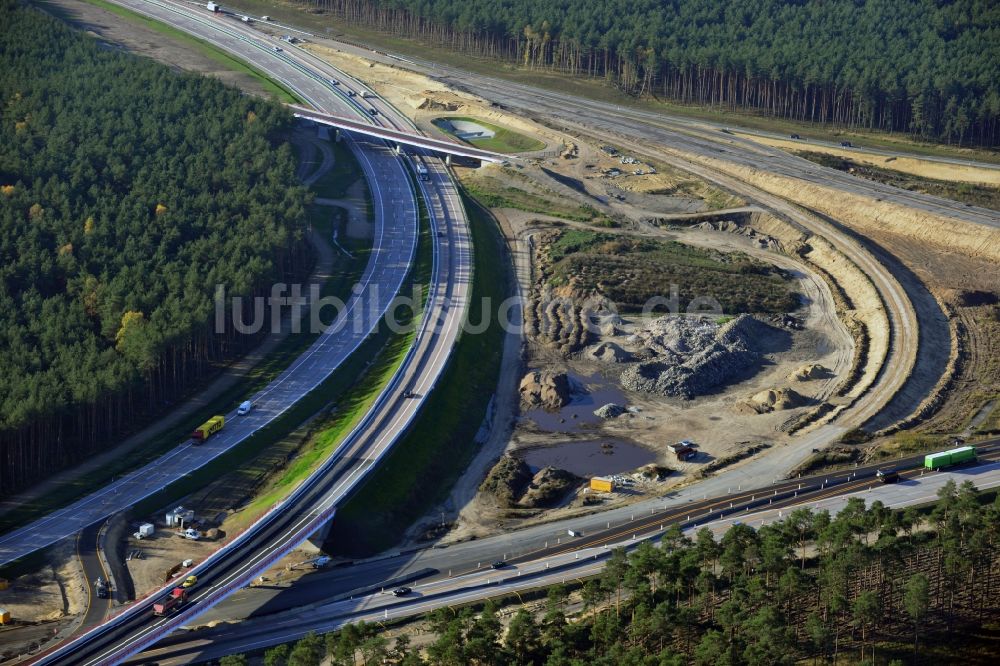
{"points": [[147, 530]]}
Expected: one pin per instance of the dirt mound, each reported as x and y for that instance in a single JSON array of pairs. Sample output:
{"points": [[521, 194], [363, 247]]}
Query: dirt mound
{"points": [[693, 356], [435, 100], [506, 482], [548, 487], [772, 400], [607, 352], [547, 390], [808, 372]]}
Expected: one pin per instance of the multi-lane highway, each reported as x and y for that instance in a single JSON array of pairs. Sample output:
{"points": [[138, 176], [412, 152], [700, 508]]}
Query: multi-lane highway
{"points": [[314, 503], [395, 234], [471, 577]]}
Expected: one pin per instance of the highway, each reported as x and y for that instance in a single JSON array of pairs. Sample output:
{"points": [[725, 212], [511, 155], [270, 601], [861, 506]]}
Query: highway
{"points": [[570, 561], [395, 234], [314, 503]]}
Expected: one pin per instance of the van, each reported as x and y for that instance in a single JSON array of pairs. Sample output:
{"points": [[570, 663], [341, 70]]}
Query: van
{"points": [[244, 408], [887, 475]]}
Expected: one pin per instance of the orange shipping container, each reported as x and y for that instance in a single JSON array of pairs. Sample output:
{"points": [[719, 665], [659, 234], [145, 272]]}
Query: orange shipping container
{"points": [[602, 484]]}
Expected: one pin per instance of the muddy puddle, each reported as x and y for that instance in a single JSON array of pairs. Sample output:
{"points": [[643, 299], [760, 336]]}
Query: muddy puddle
{"points": [[598, 457], [589, 393]]}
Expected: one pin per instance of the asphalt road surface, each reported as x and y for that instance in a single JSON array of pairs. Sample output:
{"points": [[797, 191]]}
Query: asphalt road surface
{"points": [[554, 565]]}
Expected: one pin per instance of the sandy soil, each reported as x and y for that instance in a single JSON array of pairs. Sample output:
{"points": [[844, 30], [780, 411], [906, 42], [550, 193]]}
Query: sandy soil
{"points": [[712, 421], [160, 554], [911, 165]]}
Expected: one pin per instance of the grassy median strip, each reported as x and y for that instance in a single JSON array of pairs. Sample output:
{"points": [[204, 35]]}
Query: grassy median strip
{"points": [[216, 54], [420, 471]]}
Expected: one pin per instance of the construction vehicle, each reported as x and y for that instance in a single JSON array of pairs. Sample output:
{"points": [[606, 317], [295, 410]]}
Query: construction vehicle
{"points": [[208, 428], [950, 457], [422, 172], [167, 605]]}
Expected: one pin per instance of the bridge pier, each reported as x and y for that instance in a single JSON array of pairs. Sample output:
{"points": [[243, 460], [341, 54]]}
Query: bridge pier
{"points": [[336, 134], [314, 545]]}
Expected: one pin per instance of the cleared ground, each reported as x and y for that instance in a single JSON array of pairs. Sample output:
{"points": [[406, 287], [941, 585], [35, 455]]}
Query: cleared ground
{"points": [[495, 138], [976, 194]]}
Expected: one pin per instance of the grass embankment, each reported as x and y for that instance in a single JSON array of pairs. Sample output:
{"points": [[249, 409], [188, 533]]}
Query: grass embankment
{"points": [[309, 17], [630, 271], [420, 471], [495, 191], [345, 272], [503, 140], [272, 87], [976, 195]]}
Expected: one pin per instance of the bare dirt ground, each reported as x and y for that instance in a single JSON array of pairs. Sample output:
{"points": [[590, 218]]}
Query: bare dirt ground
{"points": [[713, 421], [44, 603], [912, 165]]}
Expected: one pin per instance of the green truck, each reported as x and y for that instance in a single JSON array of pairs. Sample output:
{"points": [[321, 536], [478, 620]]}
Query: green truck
{"points": [[951, 457]]}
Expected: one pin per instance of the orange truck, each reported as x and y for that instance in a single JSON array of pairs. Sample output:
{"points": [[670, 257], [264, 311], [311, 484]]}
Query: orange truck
{"points": [[208, 428], [177, 597]]}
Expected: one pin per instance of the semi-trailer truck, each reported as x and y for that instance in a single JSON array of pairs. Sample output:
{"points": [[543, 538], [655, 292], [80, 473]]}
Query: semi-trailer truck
{"points": [[951, 457], [168, 604], [208, 428]]}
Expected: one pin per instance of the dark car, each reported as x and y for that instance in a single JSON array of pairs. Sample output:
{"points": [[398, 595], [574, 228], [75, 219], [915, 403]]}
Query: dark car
{"points": [[887, 475], [845, 144], [499, 564], [401, 591], [796, 136]]}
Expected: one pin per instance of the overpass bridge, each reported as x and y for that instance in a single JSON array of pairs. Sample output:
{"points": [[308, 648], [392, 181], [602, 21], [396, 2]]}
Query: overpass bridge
{"points": [[398, 137]]}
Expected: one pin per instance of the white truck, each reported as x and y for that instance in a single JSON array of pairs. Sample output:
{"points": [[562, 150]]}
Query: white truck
{"points": [[422, 172], [213, 7], [244, 408]]}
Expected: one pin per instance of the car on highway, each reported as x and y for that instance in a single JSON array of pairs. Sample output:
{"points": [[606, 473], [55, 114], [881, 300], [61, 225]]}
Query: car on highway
{"points": [[351, 93], [190, 581], [276, 49], [499, 564], [373, 111], [244, 408], [887, 475], [401, 591], [334, 82], [845, 144]]}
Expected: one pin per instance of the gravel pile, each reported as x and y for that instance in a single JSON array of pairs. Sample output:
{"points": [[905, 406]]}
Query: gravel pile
{"points": [[693, 356], [609, 411]]}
